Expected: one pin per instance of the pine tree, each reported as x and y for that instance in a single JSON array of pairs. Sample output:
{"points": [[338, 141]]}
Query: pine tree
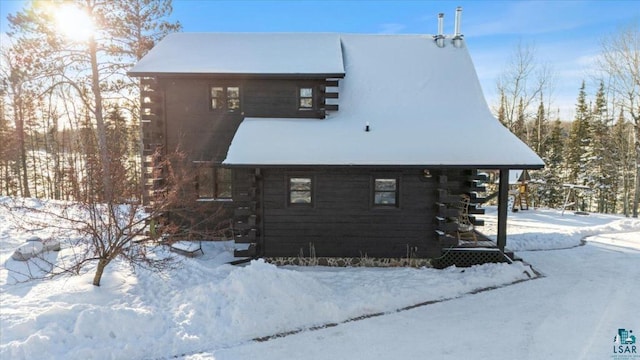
{"points": [[519, 126], [620, 60], [579, 140], [600, 169], [623, 158], [119, 140], [552, 173], [539, 131], [502, 115]]}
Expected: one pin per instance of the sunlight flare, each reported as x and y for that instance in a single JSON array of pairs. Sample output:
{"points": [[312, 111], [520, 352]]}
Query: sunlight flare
{"points": [[73, 23]]}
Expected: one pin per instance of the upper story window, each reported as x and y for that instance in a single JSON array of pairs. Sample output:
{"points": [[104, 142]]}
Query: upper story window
{"points": [[233, 98], [305, 99], [213, 182], [385, 192], [300, 191], [225, 98]]}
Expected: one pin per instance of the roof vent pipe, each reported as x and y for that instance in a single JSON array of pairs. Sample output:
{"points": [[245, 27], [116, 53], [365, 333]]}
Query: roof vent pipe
{"points": [[440, 37], [457, 36]]}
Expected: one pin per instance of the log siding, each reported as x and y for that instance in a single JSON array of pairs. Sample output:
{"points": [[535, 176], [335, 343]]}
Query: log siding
{"points": [[344, 220]]}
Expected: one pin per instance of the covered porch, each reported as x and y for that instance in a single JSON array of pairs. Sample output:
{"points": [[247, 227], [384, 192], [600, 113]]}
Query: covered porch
{"points": [[474, 247]]}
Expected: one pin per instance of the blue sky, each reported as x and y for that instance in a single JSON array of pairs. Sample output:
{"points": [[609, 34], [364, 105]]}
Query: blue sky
{"points": [[566, 34]]}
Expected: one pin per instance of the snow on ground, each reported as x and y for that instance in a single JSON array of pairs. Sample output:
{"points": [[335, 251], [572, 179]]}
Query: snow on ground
{"points": [[207, 309], [573, 312], [546, 229]]}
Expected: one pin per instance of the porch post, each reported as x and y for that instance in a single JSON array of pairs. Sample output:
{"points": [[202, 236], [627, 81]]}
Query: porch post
{"points": [[503, 197]]}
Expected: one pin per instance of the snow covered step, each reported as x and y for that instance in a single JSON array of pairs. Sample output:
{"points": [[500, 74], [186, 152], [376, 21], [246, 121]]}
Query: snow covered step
{"points": [[249, 252]]}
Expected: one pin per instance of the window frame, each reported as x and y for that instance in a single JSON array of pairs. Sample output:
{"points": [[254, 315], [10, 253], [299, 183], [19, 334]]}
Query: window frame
{"points": [[375, 192], [290, 190], [311, 97], [214, 191], [224, 99]]}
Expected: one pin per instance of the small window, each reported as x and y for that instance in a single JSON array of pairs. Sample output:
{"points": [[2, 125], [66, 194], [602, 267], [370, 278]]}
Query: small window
{"points": [[300, 191], [385, 192], [213, 183], [217, 97], [225, 98], [233, 98], [306, 98]]}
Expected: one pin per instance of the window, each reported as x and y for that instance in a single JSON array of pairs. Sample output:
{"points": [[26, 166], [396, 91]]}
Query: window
{"points": [[213, 183], [305, 101], [225, 98], [217, 98], [385, 192], [233, 98], [300, 191]]}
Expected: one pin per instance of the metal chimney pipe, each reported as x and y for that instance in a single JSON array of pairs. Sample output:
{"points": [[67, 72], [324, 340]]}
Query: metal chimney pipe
{"points": [[457, 22], [440, 37]]}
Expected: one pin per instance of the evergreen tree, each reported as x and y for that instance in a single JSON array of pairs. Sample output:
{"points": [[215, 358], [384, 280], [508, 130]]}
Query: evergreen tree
{"points": [[579, 140], [502, 115], [620, 60], [552, 173], [539, 130], [119, 139], [600, 169], [623, 158], [519, 126]]}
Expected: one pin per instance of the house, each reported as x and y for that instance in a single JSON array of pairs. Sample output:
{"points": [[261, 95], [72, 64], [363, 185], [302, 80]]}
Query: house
{"points": [[340, 144]]}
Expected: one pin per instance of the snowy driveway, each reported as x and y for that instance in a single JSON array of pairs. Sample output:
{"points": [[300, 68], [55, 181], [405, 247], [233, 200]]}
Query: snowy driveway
{"points": [[573, 312]]}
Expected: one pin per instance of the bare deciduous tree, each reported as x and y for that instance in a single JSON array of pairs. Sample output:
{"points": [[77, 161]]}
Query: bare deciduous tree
{"points": [[94, 68], [620, 60], [98, 233], [524, 79]]}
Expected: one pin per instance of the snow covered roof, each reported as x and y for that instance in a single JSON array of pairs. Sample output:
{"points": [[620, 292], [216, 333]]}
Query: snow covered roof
{"points": [[424, 105], [244, 53]]}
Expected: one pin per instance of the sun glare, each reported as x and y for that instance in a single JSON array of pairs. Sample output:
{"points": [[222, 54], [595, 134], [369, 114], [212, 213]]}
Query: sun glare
{"points": [[73, 23]]}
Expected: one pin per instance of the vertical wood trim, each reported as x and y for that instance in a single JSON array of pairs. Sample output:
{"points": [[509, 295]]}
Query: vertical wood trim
{"points": [[260, 185], [503, 197]]}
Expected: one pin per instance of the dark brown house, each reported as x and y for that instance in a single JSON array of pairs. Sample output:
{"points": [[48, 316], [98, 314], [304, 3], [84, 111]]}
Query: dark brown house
{"points": [[355, 144]]}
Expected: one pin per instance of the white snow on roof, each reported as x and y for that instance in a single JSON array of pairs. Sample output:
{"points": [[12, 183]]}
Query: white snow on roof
{"points": [[243, 53], [424, 105]]}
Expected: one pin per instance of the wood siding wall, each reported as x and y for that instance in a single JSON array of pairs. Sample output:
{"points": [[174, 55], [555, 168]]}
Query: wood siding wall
{"points": [[343, 220], [279, 98], [206, 134], [203, 134]]}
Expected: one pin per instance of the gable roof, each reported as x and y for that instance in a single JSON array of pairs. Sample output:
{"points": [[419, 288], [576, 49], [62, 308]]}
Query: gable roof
{"points": [[424, 106], [423, 103], [243, 53]]}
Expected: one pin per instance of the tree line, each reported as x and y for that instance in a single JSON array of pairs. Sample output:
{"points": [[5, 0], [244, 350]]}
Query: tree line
{"points": [[70, 129], [599, 149], [69, 114], [69, 125]]}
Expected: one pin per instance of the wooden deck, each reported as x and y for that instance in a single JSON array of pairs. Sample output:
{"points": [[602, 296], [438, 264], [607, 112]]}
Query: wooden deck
{"points": [[483, 242], [469, 252]]}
